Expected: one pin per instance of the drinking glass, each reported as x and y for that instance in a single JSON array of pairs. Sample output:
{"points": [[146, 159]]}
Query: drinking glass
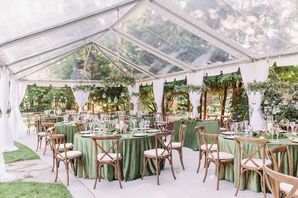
{"points": [[292, 125]]}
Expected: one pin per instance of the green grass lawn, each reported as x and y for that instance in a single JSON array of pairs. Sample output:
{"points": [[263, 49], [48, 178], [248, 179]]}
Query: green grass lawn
{"points": [[32, 190], [23, 153]]}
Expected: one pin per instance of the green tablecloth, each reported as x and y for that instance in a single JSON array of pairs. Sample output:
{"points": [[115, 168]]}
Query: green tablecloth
{"points": [[254, 181], [56, 118], [191, 139], [68, 129], [132, 151]]}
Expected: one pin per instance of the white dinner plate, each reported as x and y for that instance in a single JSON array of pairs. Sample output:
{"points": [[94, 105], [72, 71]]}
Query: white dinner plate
{"points": [[295, 140], [84, 132], [88, 135], [230, 137], [228, 132], [153, 131], [140, 135]]}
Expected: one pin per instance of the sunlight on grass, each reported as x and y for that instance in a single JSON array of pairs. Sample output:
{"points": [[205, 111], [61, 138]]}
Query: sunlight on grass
{"points": [[33, 190], [23, 153]]}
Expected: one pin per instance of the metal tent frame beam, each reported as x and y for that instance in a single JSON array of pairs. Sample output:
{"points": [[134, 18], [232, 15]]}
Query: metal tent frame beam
{"points": [[69, 22], [202, 30], [133, 65], [57, 48], [153, 51]]}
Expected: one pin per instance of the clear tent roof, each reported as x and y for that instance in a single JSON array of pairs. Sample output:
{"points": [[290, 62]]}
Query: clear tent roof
{"points": [[67, 40]]}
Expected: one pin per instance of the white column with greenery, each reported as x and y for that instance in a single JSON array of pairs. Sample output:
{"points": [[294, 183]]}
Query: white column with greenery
{"points": [[255, 72], [81, 97], [158, 89], [6, 142], [17, 93], [195, 79], [134, 92]]}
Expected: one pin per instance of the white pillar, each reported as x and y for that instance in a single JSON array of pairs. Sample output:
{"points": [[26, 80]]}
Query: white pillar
{"points": [[257, 71], [194, 97], [158, 89]]}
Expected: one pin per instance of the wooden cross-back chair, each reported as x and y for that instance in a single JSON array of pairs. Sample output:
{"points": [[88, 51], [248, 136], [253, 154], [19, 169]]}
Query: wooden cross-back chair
{"points": [[161, 121], [62, 153], [179, 145], [107, 156], [250, 161], [214, 155], [162, 151], [281, 152], [281, 183], [43, 134]]}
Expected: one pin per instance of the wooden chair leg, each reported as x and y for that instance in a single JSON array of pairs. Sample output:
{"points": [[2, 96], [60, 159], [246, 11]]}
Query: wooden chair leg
{"points": [[144, 167], [67, 172], [171, 164], [96, 175], [57, 167], [37, 143], [117, 166], [181, 158], [84, 167], [157, 170], [217, 172], [264, 184], [200, 158], [99, 178], [45, 145], [206, 170], [239, 180], [53, 163]]}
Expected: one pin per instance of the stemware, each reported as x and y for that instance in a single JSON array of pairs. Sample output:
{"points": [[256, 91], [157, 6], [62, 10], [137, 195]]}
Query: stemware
{"points": [[292, 126]]}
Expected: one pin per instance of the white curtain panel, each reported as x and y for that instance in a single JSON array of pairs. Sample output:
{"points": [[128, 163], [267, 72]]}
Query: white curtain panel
{"points": [[81, 98], [194, 97], [134, 99], [158, 87], [17, 93], [257, 71], [5, 133]]}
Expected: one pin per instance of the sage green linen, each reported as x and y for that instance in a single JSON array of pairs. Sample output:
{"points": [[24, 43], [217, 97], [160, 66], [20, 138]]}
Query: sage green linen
{"points": [[191, 139], [132, 151], [68, 129], [254, 182]]}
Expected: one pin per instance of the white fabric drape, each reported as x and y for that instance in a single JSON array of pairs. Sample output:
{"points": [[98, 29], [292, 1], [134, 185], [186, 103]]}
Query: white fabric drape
{"points": [[81, 98], [257, 71], [17, 93], [5, 134], [158, 93], [133, 98], [194, 97]]}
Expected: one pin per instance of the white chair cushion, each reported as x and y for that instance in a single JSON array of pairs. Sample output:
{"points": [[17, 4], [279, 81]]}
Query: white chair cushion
{"points": [[176, 145], [259, 162], [222, 155], [43, 134], [213, 148], [107, 158], [160, 153], [67, 145], [70, 154], [287, 188]]}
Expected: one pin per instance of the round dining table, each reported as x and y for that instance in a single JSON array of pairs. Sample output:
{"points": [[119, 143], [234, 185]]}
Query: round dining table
{"points": [[254, 181], [68, 129], [132, 151]]}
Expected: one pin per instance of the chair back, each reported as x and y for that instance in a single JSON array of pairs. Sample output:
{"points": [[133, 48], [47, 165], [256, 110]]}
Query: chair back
{"points": [[259, 150], [275, 178], [58, 145], [211, 141], [165, 145], [106, 152], [182, 131], [200, 130], [280, 151]]}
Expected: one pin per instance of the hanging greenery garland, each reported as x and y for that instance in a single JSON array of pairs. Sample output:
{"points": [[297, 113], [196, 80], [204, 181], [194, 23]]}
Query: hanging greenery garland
{"points": [[190, 88], [85, 88]]}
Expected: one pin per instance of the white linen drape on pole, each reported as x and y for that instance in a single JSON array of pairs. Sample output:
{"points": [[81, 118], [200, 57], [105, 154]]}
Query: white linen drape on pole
{"points": [[81, 98], [134, 99], [6, 134], [194, 97], [158, 87], [4, 141], [256, 71], [17, 93]]}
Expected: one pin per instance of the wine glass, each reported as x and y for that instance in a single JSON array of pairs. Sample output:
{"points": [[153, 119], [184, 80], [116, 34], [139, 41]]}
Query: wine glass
{"points": [[292, 126]]}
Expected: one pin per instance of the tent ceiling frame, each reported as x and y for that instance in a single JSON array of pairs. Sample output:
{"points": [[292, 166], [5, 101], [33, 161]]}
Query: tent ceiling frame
{"points": [[153, 51], [203, 31], [57, 48], [113, 62], [57, 56], [133, 65], [69, 22], [47, 65], [65, 81]]}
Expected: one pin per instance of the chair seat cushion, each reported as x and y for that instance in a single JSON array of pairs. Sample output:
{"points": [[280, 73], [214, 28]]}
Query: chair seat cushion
{"points": [[160, 153], [221, 155], [287, 188], [67, 145], [176, 145], [70, 154], [106, 158], [259, 162], [42, 134], [213, 148]]}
